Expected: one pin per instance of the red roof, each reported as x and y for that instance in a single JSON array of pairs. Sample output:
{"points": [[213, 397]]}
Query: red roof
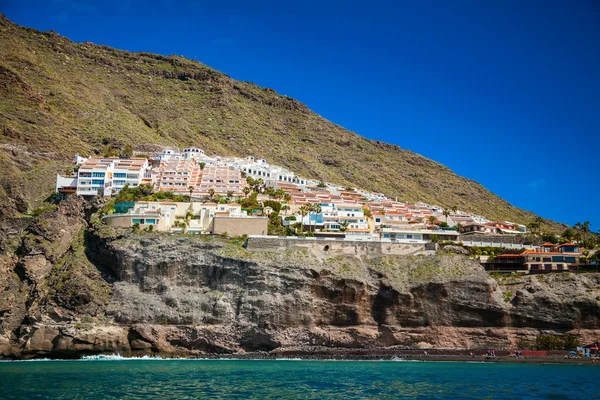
{"points": [[547, 244]]}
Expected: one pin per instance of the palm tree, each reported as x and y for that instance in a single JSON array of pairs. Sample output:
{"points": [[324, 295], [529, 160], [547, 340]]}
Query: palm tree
{"points": [[287, 197], [258, 184], [191, 190], [432, 220], [211, 193], [446, 213], [454, 209], [229, 194], [279, 193], [285, 208], [246, 191], [188, 216], [303, 212], [577, 236], [344, 226], [318, 210], [585, 229], [310, 208], [458, 227]]}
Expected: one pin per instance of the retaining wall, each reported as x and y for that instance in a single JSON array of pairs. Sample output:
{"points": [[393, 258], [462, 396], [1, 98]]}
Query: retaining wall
{"points": [[333, 246]]}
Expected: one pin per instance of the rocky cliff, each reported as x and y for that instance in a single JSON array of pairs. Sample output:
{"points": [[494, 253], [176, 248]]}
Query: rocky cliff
{"points": [[71, 289]]}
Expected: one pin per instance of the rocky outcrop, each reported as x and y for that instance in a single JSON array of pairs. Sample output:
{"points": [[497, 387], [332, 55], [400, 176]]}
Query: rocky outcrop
{"points": [[72, 291]]}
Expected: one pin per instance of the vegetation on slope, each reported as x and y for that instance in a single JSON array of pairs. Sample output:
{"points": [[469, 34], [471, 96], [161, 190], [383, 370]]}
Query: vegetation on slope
{"points": [[58, 98]]}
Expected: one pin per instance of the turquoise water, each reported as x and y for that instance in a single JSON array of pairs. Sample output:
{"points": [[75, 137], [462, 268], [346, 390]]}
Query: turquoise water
{"points": [[231, 379]]}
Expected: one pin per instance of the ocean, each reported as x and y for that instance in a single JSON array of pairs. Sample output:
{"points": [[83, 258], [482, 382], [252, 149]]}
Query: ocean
{"points": [[293, 379]]}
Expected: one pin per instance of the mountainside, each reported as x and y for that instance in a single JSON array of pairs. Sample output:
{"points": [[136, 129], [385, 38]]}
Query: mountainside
{"points": [[58, 98], [72, 289]]}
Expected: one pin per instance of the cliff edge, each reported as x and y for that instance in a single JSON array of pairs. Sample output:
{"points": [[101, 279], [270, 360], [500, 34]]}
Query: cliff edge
{"points": [[70, 289]]}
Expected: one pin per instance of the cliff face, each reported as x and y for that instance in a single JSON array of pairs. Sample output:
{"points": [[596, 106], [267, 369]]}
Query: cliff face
{"points": [[72, 290]]}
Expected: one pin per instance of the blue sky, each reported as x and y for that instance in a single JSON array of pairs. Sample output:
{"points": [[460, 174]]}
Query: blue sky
{"points": [[506, 93]]}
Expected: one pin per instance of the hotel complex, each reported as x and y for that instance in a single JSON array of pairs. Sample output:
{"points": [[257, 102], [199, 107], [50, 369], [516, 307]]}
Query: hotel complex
{"points": [[323, 209]]}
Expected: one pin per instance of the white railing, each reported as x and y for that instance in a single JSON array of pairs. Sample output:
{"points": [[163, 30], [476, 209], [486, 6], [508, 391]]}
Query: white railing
{"points": [[495, 244], [366, 239], [404, 241]]}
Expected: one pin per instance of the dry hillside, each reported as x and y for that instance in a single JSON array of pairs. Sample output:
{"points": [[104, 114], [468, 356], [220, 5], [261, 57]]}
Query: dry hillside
{"points": [[58, 97]]}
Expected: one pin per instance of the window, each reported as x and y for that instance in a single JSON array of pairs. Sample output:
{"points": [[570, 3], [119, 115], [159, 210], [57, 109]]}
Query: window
{"points": [[150, 221], [97, 182], [120, 175], [98, 174]]}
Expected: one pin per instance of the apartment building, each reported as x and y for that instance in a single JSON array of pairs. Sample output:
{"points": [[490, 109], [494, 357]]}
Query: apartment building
{"points": [[131, 172], [94, 177], [177, 176], [222, 180]]}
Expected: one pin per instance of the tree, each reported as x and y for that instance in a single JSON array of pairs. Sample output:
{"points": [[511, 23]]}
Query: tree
{"points": [[250, 181], [229, 194], [584, 257], [258, 184], [191, 190], [270, 191], [310, 208], [454, 209], [367, 212], [432, 220], [246, 190], [321, 185], [279, 193], [202, 165], [549, 237], [446, 213], [285, 208], [536, 226], [344, 225], [303, 212], [318, 210], [188, 217], [458, 227], [287, 197], [211, 193], [568, 234]]}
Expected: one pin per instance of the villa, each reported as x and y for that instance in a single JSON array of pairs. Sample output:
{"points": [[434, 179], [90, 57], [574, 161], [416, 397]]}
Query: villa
{"points": [[188, 217], [548, 257]]}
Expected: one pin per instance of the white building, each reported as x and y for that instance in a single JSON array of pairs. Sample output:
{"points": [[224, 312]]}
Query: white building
{"points": [[131, 172], [191, 153], [166, 155], [94, 177], [79, 160]]}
